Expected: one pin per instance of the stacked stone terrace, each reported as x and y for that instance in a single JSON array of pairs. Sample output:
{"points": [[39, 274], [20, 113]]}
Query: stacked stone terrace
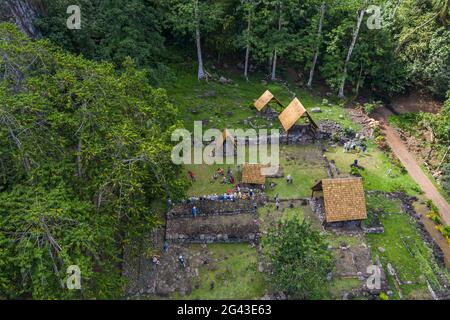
{"points": [[216, 222]]}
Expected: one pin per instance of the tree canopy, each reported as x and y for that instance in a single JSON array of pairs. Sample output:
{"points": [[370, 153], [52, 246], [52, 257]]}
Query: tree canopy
{"points": [[410, 49], [300, 259], [82, 152]]}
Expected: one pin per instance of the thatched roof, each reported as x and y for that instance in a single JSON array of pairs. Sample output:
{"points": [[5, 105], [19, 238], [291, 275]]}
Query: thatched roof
{"points": [[344, 199], [265, 99], [294, 111], [251, 174]]}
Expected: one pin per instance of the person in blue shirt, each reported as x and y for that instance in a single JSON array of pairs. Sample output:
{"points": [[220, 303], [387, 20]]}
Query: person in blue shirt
{"points": [[194, 211]]}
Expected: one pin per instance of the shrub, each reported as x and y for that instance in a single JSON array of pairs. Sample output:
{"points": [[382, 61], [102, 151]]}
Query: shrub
{"points": [[349, 131], [432, 206], [354, 171], [433, 215], [383, 296], [446, 232], [369, 108], [299, 257], [377, 132], [381, 142]]}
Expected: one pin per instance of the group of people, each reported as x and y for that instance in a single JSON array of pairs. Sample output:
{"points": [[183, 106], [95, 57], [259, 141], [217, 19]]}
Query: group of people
{"points": [[231, 195], [352, 146], [226, 179], [156, 259]]}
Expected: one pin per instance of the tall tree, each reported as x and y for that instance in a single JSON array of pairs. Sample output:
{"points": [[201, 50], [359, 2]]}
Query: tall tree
{"points": [[195, 18], [249, 8], [361, 12], [82, 149], [201, 72], [318, 39], [274, 60], [111, 29]]}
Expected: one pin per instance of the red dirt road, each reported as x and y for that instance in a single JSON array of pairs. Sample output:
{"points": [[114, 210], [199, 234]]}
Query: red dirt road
{"points": [[411, 165]]}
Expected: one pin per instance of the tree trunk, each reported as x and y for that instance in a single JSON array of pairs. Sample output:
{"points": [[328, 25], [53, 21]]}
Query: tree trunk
{"points": [[274, 66], [358, 84], [247, 50], [316, 53], [269, 66], [350, 50], [201, 71], [22, 13], [274, 62]]}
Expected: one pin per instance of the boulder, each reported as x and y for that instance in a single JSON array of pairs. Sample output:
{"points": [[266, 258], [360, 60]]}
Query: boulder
{"points": [[209, 93]]}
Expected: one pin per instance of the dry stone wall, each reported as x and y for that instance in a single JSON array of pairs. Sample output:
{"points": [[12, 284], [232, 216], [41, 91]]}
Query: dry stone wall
{"points": [[216, 222]]}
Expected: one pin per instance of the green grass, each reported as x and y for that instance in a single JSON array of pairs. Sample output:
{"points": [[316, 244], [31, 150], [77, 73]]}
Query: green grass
{"points": [[237, 277], [337, 239], [305, 165], [204, 172], [404, 249], [376, 165], [231, 104], [339, 286], [268, 216], [407, 121], [235, 274]]}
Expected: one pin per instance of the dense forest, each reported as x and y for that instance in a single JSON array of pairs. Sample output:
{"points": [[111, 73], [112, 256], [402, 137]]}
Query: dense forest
{"points": [[86, 124], [338, 42]]}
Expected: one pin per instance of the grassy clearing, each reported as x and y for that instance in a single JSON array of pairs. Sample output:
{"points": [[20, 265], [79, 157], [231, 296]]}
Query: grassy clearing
{"points": [[339, 286], [336, 240], [204, 185], [234, 274], [404, 250], [376, 165], [305, 165], [268, 216], [227, 106]]}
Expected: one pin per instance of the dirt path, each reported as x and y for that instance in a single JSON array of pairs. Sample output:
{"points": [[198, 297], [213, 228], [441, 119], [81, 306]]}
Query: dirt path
{"points": [[411, 165]]}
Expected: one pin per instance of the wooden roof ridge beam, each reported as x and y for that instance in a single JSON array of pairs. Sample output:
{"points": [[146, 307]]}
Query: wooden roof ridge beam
{"points": [[266, 98], [294, 111]]}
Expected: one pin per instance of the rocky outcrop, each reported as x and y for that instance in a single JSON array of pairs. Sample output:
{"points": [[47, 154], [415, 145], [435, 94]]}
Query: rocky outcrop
{"points": [[22, 13]]}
